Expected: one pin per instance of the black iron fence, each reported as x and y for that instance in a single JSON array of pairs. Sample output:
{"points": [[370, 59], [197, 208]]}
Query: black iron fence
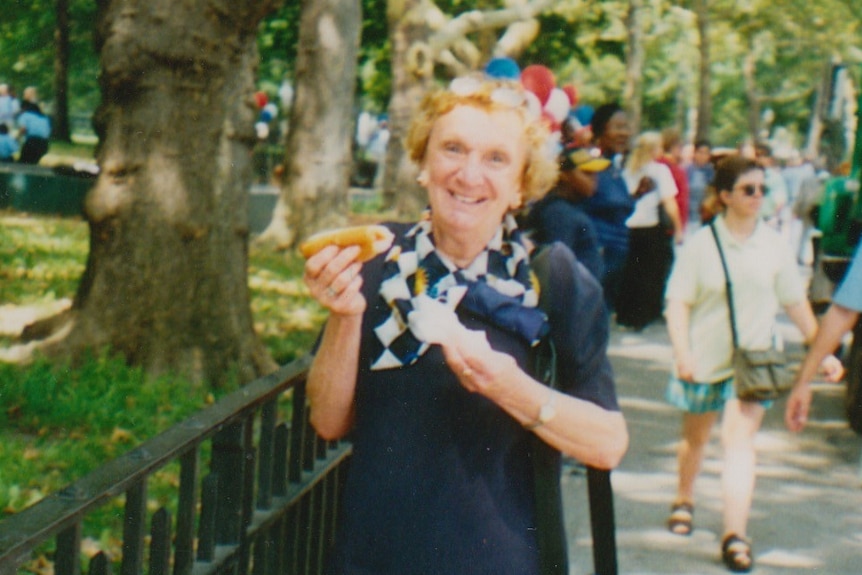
{"points": [[264, 503]]}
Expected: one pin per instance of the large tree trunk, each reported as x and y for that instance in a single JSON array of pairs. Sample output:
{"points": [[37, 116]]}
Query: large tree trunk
{"points": [[318, 154], [166, 279], [61, 72], [704, 105], [633, 92], [412, 74]]}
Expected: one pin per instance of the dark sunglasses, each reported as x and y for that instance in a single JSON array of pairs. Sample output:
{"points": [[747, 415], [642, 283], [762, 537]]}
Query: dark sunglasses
{"points": [[751, 189]]}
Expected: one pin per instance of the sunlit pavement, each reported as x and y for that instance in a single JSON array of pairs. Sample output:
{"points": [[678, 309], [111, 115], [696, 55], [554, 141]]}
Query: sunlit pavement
{"points": [[807, 511]]}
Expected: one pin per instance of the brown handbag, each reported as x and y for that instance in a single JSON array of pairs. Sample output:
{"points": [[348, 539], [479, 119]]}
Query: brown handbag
{"points": [[758, 375]]}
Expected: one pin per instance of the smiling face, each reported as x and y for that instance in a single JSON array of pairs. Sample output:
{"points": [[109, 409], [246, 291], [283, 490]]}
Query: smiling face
{"points": [[473, 170], [615, 138]]}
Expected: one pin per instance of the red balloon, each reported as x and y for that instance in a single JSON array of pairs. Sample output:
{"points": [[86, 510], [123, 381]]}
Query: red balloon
{"points": [[538, 80], [572, 93], [261, 99]]}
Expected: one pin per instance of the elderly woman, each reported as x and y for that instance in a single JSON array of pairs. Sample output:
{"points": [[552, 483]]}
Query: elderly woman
{"points": [[441, 478], [764, 278]]}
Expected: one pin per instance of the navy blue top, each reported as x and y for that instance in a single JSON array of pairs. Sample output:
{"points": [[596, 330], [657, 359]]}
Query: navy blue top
{"points": [[556, 219], [440, 480], [609, 209]]}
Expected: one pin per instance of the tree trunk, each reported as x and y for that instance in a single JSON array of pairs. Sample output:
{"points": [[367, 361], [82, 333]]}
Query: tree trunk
{"points": [[318, 153], [749, 69], [61, 130], [412, 75], [633, 92], [166, 279], [704, 107]]}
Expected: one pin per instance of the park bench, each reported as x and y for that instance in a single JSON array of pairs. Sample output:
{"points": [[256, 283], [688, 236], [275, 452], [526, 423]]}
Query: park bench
{"points": [[263, 502], [43, 190]]}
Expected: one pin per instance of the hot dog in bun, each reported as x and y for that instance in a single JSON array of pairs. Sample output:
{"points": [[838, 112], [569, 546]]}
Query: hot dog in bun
{"points": [[372, 240]]}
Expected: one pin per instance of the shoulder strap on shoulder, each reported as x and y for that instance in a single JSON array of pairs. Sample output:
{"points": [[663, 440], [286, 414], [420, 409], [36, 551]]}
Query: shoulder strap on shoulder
{"points": [[544, 361]]}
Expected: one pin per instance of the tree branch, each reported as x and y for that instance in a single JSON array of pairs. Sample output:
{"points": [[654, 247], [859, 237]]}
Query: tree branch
{"points": [[476, 20]]}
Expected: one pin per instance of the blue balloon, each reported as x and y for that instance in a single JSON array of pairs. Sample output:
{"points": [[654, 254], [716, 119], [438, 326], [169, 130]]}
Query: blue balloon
{"points": [[584, 114], [503, 68]]}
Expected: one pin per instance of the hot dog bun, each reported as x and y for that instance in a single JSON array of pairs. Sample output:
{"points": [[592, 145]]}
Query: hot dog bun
{"points": [[372, 240]]}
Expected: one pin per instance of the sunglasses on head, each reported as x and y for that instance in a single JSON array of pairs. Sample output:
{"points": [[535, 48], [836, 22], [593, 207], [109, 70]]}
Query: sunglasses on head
{"points": [[751, 189], [503, 95]]}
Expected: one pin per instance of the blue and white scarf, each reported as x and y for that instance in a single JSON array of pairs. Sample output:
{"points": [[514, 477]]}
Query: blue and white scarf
{"points": [[498, 286]]}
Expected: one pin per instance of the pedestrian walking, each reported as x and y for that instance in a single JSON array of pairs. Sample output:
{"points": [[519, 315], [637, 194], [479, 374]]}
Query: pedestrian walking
{"points": [[765, 278]]}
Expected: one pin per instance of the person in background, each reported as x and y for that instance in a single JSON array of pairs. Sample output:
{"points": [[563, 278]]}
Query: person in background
{"points": [[34, 127], [775, 202], [807, 199], [839, 319], [8, 145], [376, 151], [764, 278], [611, 204], [671, 142], [9, 107], [650, 245], [559, 217], [700, 173], [442, 419]]}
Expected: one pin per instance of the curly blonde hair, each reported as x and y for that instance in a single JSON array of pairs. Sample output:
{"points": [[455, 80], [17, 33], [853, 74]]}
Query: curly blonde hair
{"points": [[541, 167]]}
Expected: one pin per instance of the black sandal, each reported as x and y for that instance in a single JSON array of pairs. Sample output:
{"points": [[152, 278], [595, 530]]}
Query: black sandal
{"points": [[681, 518], [736, 553]]}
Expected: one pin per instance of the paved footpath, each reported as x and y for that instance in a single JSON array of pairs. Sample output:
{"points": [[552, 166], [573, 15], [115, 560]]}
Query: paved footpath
{"points": [[807, 511]]}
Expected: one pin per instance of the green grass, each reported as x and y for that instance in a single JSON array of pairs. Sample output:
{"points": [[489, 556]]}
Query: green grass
{"points": [[58, 423]]}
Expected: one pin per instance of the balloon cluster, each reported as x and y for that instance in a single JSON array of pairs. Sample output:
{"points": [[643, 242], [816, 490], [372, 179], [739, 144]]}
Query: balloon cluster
{"points": [[554, 101], [557, 105], [268, 113]]}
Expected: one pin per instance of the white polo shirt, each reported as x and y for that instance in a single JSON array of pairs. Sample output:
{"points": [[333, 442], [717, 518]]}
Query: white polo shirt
{"points": [[645, 214], [764, 275]]}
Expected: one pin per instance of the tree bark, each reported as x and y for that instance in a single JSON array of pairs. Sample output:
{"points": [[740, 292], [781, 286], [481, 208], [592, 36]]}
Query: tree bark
{"points": [[749, 69], [318, 152], [165, 283], [704, 106], [61, 129], [412, 75], [633, 92]]}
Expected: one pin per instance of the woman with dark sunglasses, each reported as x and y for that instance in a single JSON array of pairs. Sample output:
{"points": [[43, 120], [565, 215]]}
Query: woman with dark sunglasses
{"points": [[764, 278]]}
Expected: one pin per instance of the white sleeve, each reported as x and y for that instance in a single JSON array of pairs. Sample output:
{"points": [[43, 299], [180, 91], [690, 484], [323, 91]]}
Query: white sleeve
{"points": [[663, 179]]}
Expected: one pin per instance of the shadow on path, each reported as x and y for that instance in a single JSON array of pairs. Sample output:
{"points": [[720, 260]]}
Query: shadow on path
{"points": [[807, 511]]}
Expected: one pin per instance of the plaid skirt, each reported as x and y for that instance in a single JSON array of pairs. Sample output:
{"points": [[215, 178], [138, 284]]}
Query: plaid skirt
{"points": [[694, 397]]}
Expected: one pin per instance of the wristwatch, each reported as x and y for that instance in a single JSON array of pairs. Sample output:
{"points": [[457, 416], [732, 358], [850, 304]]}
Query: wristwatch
{"points": [[546, 413]]}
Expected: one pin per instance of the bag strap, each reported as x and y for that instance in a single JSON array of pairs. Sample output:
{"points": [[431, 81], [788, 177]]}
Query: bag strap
{"points": [[553, 551], [728, 288], [551, 534]]}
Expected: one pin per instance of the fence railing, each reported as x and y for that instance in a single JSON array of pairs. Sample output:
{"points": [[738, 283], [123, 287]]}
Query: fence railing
{"points": [[265, 503]]}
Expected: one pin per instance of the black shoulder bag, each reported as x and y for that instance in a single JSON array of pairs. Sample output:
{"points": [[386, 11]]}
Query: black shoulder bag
{"points": [[549, 502], [759, 375]]}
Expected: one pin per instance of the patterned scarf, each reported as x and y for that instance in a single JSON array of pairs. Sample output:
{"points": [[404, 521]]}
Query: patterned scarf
{"points": [[498, 286]]}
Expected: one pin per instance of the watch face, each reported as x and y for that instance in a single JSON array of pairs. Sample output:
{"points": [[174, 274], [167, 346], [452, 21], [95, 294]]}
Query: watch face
{"points": [[547, 413]]}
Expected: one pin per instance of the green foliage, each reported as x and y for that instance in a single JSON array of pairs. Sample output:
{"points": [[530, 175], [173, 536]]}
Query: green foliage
{"points": [[59, 422], [27, 51], [584, 42], [41, 260]]}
